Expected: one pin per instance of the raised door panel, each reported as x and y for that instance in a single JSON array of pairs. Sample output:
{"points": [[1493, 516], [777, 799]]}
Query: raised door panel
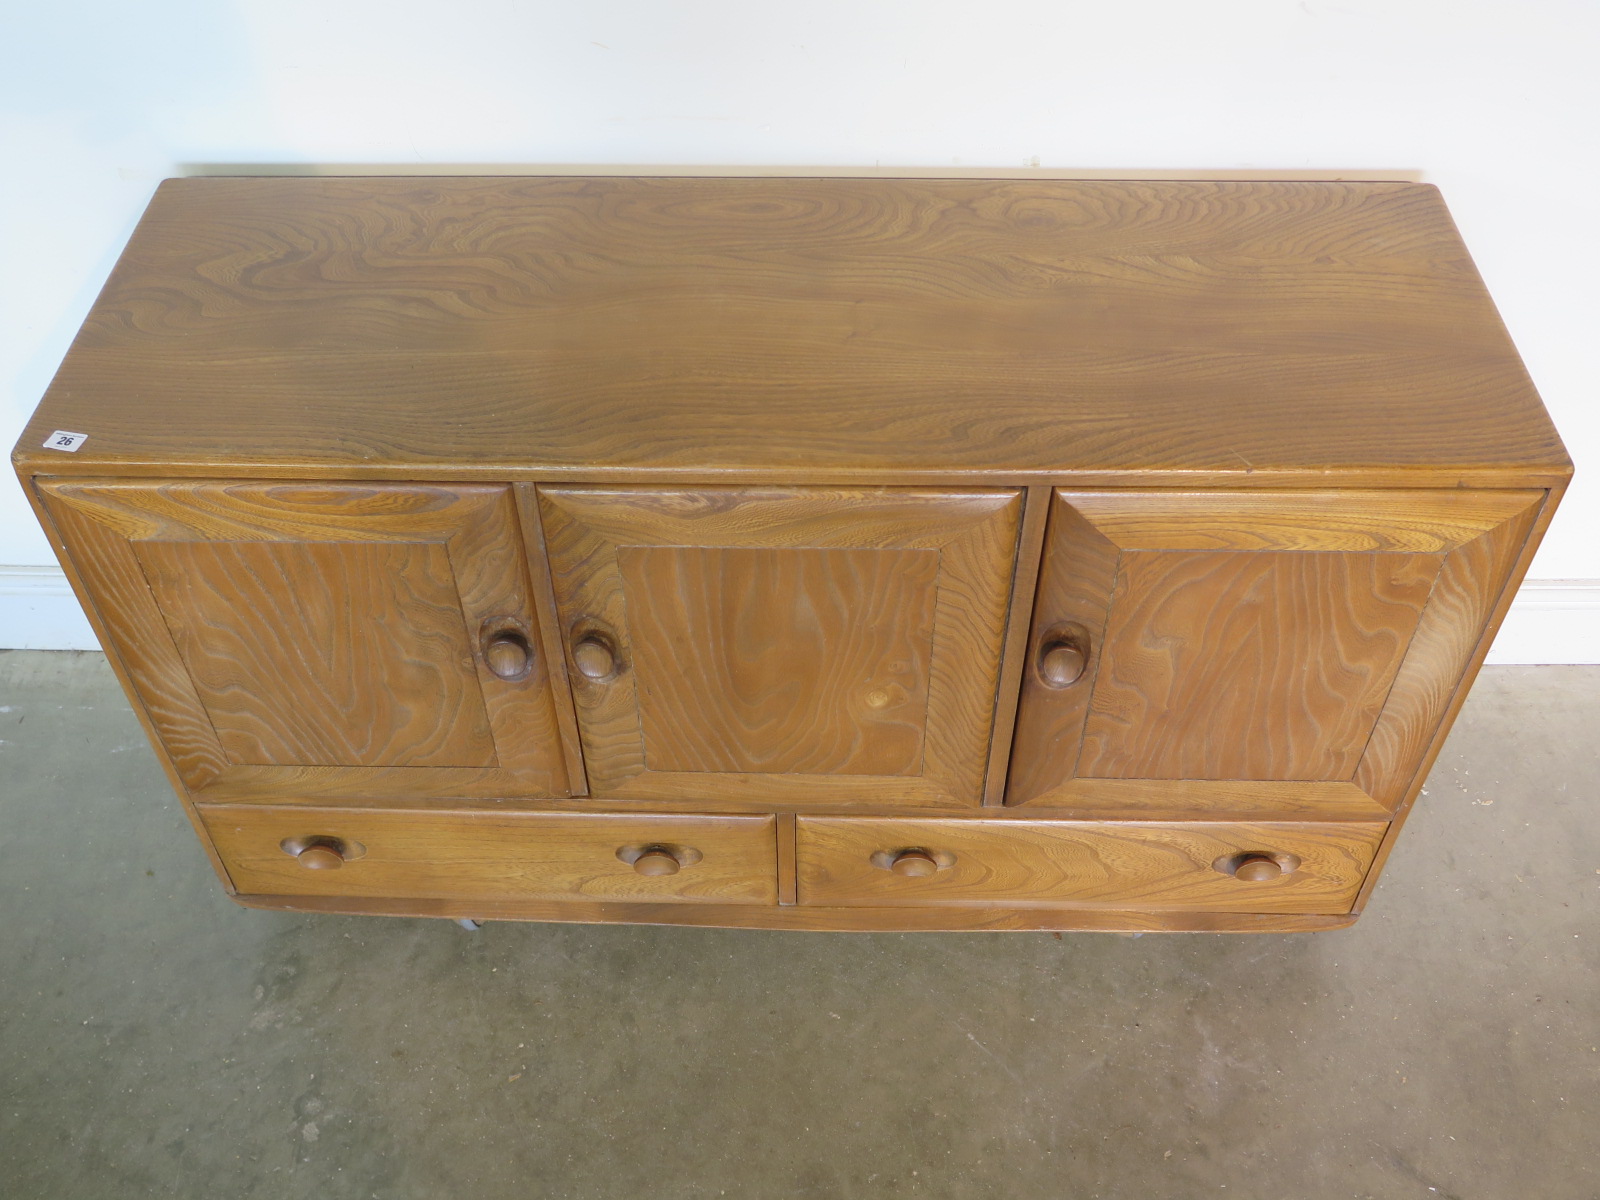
{"points": [[1225, 665], [783, 645], [1264, 653], [780, 636], [323, 639]]}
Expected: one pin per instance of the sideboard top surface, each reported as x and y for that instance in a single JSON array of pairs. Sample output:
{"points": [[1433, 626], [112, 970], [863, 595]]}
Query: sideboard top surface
{"points": [[711, 329]]}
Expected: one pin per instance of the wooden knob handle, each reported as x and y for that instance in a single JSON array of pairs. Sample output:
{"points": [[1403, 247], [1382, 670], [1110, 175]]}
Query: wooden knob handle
{"points": [[914, 864], [321, 856], [1257, 868], [1061, 662], [594, 657], [508, 654], [657, 860]]}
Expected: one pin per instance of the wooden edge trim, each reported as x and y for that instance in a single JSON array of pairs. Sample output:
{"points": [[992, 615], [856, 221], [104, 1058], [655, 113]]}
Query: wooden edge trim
{"points": [[1111, 510], [551, 637], [1532, 475], [1202, 800], [1508, 593], [787, 829], [124, 677], [1169, 814], [815, 919], [1014, 644]]}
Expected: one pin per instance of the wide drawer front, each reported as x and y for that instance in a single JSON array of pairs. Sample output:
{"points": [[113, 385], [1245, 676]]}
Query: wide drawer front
{"points": [[1299, 867], [495, 856]]}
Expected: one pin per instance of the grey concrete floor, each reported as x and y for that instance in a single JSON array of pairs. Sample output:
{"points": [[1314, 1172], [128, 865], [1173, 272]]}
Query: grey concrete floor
{"points": [[156, 1040]]}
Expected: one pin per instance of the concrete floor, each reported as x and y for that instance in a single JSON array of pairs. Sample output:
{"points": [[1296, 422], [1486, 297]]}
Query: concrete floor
{"points": [[156, 1040]]}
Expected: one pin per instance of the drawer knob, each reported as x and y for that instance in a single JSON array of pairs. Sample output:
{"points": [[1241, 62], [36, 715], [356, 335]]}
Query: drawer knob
{"points": [[1257, 868], [1063, 655], [508, 654], [914, 864], [323, 855], [657, 860], [595, 657]]}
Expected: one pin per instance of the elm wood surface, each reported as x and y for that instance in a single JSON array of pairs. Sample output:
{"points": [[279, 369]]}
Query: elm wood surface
{"points": [[793, 646], [284, 632], [1030, 541], [485, 856], [1204, 655], [1324, 353], [1296, 637], [798, 330], [786, 836], [1456, 693], [552, 644], [1070, 863], [816, 917]]}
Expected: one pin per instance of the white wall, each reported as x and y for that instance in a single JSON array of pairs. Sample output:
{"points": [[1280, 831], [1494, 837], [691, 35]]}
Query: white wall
{"points": [[1497, 102]]}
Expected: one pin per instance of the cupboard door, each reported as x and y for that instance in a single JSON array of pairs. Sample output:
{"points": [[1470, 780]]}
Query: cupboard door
{"points": [[1253, 652], [783, 645], [323, 639]]}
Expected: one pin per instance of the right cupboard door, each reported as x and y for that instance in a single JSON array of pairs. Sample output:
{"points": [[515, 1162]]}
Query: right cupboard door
{"points": [[1252, 652]]}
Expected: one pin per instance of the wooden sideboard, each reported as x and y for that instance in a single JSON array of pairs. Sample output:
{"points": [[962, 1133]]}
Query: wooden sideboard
{"points": [[796, 553]]}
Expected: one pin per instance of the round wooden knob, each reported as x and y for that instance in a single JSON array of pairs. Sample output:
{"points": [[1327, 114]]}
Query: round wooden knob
{"points": [[1061, 663], [1257, 868], [321, 856], [914, 864], [594, 658], [657, 861], [508, 654]]}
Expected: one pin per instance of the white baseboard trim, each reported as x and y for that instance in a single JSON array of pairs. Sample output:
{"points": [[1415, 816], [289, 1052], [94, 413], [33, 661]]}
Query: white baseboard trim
{"points": [[1551, 620], [39, 612]]}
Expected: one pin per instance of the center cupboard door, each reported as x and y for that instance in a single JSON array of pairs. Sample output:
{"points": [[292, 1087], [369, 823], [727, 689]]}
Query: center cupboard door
{"points": [[783, 645], [1252, 653], [323, 640]]}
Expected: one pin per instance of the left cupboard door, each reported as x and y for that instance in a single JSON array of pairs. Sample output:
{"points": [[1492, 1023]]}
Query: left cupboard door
{"points": [[323, 640]]}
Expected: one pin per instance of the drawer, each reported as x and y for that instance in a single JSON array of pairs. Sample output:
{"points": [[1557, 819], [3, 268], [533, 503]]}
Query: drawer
{"points": [[1283, 867], [312, 851]]}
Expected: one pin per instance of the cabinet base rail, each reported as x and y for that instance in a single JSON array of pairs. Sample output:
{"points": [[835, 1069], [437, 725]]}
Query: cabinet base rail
{"points": [[817, 918]]}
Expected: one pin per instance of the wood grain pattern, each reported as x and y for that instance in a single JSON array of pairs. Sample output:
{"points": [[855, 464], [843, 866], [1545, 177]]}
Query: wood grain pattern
{"points": [[1249, 666], [699, 644], [1544, 512], [124, 676], [1253, 637], [1076, 584], [133, 629], [1071, 863], [473, 856], [793, 661], [552, 645], [1213, 799], [1469, 584], [1014, 650], [780, 429], [250, 613], [730, 329], [818, 917], [786, 842], [324, 653], [1350, 520]]}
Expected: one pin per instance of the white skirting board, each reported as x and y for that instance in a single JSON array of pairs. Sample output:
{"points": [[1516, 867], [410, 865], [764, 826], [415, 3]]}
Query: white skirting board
{"points": [[39, 612], [1551, 621]]}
